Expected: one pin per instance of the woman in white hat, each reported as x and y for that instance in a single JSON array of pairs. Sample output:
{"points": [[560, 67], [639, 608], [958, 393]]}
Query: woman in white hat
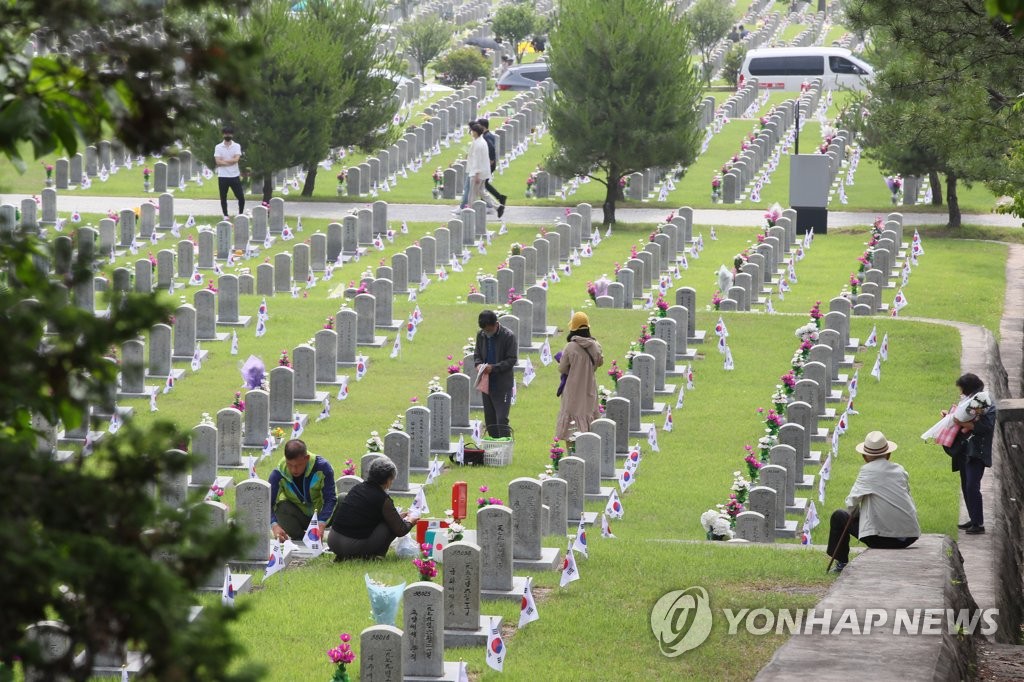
{"points": [[880, 512]]}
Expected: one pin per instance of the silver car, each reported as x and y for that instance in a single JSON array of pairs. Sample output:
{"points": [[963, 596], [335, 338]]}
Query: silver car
{"points": [[524, 76]]}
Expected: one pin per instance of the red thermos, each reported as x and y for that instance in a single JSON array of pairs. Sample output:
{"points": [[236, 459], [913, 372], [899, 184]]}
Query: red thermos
{"points": [[459, 500]]}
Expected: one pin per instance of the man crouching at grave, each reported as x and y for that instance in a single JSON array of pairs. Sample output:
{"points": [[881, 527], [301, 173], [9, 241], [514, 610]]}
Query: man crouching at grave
{"points": [[367, 522], [881, 513], [307, 484]]}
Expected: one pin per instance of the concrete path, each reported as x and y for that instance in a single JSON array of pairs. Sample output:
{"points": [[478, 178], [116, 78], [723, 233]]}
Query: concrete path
{"points": [[979, 551], [533, 215]]}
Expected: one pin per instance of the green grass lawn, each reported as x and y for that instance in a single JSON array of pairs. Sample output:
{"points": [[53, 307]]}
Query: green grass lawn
{"points": [[692, 472], [835, 33], [789, 33]]}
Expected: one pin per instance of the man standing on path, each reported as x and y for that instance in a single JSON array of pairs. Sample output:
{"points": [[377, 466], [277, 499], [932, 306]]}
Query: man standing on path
{"points": [[226, 155], [492, 149], [495, 358]]}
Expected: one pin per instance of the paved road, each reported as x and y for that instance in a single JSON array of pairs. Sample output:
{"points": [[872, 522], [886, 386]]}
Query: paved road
{"points": [[535, 215]]}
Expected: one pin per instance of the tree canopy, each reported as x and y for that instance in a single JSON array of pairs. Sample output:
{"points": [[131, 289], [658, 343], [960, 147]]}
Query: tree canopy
{"points": [[91, 542], [625, 101], [946, 80], [709, 21], [323, 85], [514, 24], [72, 68], [424, 38]]}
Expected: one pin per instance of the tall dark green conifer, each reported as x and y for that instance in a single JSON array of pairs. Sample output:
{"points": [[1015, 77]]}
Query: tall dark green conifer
{"points": [[627, 94]]}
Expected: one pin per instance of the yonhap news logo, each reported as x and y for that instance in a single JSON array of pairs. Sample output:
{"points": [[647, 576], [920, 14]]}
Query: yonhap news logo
{"points": [[681, 620]]}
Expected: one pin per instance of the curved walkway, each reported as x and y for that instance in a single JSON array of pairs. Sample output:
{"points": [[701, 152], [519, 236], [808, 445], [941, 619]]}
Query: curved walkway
{"points": [[976, 355], [978, 551]]}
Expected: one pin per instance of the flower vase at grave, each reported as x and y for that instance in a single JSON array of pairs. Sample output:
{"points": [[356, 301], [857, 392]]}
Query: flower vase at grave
{"points": [[895, 198]]}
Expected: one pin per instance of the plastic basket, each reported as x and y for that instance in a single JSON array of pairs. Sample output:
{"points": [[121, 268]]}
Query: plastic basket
{"points": [[498, 451]]}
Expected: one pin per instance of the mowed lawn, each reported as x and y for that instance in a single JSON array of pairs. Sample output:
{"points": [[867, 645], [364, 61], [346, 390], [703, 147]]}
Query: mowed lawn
{"points": [[604, 618]]}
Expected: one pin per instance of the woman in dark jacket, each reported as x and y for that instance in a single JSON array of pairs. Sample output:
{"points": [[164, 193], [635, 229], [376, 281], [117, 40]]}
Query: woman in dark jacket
{"points": [[972, 449], [366, 521]]}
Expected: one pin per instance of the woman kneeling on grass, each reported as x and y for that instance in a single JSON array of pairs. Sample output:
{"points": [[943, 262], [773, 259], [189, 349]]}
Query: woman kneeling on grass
{"points": [[366, 521]]}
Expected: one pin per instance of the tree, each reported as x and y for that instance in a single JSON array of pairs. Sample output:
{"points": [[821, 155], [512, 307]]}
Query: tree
{"points": [[81, 538], [461, 66], [734, 63], [1010, 11], [709, 22], [424, 38], [322, 86], [625, 100], [130, 69], [514, 24], [86, 541], [365, 116], [942, 97]]}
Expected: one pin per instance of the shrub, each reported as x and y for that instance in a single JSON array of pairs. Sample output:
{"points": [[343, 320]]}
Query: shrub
{"points": [[733, 64], [461, 66]]}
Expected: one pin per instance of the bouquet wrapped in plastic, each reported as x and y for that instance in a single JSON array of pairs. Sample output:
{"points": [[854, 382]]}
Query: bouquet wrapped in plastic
{"points": [[384, 600]]}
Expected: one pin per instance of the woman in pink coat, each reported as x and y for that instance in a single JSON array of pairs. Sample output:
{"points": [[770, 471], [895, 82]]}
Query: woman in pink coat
{"points": [[579, 360]]}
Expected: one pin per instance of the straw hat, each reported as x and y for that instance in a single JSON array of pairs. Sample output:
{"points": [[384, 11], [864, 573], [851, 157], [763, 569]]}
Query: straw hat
{"points": [[876, 445]]}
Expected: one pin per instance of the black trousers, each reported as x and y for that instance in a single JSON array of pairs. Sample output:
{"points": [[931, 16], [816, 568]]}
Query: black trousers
{"points": [[971, 472], [496, 409], [839, 542], [376, 545], [235, 185], [493, 191], [292, 519]]}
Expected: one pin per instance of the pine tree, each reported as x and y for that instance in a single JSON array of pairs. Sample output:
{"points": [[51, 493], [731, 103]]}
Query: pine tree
{"points": [[626, 97]]}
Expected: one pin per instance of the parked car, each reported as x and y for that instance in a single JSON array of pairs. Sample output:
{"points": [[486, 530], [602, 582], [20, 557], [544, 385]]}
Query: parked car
{"points": [[524, 76]]}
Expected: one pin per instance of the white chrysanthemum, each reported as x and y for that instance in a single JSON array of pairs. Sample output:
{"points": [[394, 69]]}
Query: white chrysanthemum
{"points": [[707, 519]]}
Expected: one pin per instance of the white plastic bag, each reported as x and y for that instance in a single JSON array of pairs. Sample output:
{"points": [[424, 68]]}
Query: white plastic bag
{"points": [[406, 547]]}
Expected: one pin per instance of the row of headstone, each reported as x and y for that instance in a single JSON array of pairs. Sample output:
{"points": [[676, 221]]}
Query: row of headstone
{"points": [[418, 144], [524, 114], [759, 151], [884, 267]]}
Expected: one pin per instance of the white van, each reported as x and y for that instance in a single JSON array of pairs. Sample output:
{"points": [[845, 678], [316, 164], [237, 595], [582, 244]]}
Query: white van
{"points": [[785, 68]]}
